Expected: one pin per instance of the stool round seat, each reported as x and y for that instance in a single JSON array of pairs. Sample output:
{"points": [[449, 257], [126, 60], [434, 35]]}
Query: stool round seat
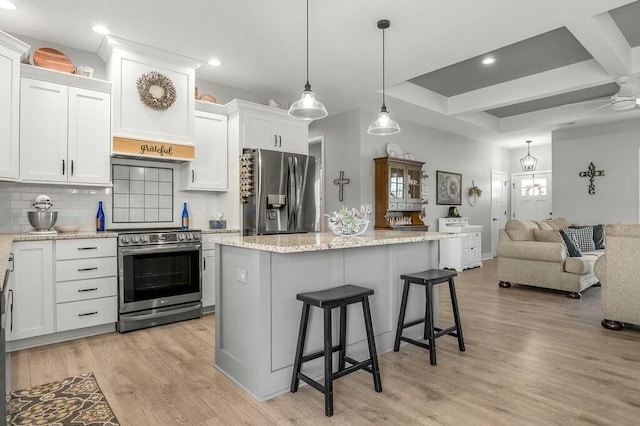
{"points": [[337, 297], [429, 278]]}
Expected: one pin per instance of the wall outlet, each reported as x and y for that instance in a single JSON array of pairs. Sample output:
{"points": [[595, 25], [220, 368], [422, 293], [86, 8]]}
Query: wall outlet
{"points": [[241, 275]]}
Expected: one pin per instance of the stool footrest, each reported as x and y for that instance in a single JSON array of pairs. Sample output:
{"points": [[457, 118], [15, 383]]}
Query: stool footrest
{"points": [[351, 369], [449, 331], [308, 380], [319, 354], [415, 342], [414, 322]]}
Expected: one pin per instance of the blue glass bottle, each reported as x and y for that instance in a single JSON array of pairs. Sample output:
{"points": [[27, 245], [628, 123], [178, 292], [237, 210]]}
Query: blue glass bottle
{"points": [[185, 217], [100, 218]]}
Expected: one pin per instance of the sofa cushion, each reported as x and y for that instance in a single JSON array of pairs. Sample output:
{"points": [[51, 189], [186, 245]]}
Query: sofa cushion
{"points": [[547, 236], [520, 230], [544, 225], [581, 265], [583, 237], [558, 223], [573, 250]]}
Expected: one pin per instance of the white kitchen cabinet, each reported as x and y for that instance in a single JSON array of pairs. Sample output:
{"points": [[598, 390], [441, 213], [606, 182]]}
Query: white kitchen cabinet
{"points": [[271, 128], [461, 252], [65, 130], [11, 51], [208, 278], [86, 283], [208, 172], [30, 296]]}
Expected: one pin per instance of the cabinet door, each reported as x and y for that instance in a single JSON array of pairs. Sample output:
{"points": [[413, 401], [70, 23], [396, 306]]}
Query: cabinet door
{"points": [[208, 277], [89, 140], [43, 131], [9, 107], [413, 188], [260, 131], [293, 136], [209, 169], [397, 187], [31, 302]]}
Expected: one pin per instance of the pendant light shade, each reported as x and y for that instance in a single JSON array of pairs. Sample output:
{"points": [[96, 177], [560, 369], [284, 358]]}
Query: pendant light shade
{"points": [[308, 107], [384, 125], [528, 162]]}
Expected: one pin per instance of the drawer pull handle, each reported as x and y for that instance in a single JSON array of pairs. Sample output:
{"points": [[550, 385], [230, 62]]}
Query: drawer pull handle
{"points": [[87, 289], [87, 248], [88, 313], [95, 268]]}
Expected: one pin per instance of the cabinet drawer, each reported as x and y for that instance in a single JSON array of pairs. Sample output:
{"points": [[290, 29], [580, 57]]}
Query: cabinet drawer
{"points": [[81, 269], [87, 313], [85, 248], [71, 291], [393, 207]]}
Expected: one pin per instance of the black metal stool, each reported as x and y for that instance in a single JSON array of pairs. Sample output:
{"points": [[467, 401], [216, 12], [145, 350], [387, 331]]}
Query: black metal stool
{"points": [[428, 279], [327, 300]]}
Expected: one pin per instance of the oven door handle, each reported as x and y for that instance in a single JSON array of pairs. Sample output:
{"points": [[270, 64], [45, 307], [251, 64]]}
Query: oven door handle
{"points": [[160, 248]]}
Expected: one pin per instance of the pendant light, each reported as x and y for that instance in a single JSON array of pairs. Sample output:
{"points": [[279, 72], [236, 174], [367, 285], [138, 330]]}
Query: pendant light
{"points": [[528, 162], [383, 125], [308, 107]]}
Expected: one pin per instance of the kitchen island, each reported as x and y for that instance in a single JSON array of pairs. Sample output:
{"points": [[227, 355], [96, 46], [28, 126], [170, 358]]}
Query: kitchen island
{"points": [[257, 314]]}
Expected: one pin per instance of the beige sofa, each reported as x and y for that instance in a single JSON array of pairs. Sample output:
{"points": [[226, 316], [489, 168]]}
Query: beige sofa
{"points": [[532, 253], [618, 271]]}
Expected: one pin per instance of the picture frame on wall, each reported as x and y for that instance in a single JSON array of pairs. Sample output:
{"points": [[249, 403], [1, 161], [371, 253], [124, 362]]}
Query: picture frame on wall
{"points": [[448, 188]]}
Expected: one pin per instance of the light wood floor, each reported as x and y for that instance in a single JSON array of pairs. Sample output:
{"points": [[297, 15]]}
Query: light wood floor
{"points": [[533, 357]]}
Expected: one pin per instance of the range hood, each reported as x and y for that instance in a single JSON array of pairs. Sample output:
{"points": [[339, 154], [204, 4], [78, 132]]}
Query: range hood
{"points": [[153, 101]]}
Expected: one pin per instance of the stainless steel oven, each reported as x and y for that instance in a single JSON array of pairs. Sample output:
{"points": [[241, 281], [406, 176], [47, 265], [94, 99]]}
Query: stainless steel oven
{"points": [[159, 277]]}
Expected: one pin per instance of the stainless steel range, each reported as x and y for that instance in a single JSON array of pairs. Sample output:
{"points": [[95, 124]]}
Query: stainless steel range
{"points": [[159, 279]]}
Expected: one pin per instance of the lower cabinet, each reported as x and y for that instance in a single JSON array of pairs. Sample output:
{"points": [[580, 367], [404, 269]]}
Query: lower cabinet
{"points": [[30, 295], [61, 285], [208, 278], [462, 252], [86, 283]]}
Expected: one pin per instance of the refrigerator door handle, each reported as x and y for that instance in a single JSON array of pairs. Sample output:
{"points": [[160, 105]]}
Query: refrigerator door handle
{"points": [[298, 193]]}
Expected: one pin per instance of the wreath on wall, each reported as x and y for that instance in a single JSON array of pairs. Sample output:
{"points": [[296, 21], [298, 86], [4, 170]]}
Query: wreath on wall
{"points": [[156, 90]]}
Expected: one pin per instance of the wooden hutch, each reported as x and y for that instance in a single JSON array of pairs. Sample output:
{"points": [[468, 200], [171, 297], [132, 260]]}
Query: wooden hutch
{"points": [[398, 185]]}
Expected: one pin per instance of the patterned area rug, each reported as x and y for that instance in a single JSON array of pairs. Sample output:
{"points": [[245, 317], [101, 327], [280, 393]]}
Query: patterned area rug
{"points": [[76, 401]]}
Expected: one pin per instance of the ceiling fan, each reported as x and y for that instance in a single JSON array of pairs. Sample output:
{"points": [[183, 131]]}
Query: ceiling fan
{"points": [[625, 99]]}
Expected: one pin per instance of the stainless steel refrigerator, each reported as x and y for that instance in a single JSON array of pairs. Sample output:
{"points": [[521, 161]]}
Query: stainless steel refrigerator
{"points": [[278, 190]]}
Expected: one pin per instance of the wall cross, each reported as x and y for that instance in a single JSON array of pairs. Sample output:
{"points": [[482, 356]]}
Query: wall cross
{"points": [[341, 182], [592, 173]]}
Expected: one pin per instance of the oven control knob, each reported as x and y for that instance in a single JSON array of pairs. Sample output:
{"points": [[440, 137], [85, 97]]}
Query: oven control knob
{"points": [[134, 239], [124, 239], [144, 238], [181, 237], [196, 236], [189, 236]]}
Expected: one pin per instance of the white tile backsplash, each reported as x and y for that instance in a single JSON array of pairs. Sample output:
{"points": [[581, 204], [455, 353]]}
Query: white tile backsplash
{"points": [[75, 205]]}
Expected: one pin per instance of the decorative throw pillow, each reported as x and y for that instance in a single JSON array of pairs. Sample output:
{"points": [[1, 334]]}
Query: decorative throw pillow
{"points": [[573, 250], [547, 236], [583, 237], [598, 236]]}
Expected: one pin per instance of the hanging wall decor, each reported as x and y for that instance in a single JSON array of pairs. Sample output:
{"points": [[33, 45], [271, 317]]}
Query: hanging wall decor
{"points": [[341, 182], [156, 90], [591, 173], [448, 191]]}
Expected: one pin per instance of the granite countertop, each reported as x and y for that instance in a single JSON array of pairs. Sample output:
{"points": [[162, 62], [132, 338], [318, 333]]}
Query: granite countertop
{"points": [[219, 231], [297, 243]]}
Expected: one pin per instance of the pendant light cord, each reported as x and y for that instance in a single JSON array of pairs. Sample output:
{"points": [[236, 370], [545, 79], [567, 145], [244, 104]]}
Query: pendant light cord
{"points": [[383, 99], [307, 42]]}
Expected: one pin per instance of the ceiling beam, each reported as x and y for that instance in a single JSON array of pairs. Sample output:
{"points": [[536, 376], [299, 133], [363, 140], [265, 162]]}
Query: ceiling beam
{"points": [[603, 40]]}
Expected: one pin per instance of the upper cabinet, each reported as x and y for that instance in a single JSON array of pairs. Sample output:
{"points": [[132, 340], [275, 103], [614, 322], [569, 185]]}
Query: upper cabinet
{"points": [[153, 92], [208, 171], [65, 128], [267, 127], [11, 52]]}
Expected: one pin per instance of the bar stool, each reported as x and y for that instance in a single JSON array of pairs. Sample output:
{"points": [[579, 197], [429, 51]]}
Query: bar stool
{"points": [[428, 279], [327, 300]]}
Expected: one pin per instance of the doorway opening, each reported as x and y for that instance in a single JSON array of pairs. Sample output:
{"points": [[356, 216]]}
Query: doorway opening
{"points": [[316, 149]]}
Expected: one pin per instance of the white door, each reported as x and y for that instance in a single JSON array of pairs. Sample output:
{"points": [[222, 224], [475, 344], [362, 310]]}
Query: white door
{"points": [[260, 131], [208, 278], [9, 107], [498, 205], [531, 196], [293, 135], [209, 170], [89, 146], [43, 131]]}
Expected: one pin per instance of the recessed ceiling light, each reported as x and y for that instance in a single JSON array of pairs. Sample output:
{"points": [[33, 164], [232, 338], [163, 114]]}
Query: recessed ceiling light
{"points": [[100, 29], [488, 60], [215, 62], [7, 5]]}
